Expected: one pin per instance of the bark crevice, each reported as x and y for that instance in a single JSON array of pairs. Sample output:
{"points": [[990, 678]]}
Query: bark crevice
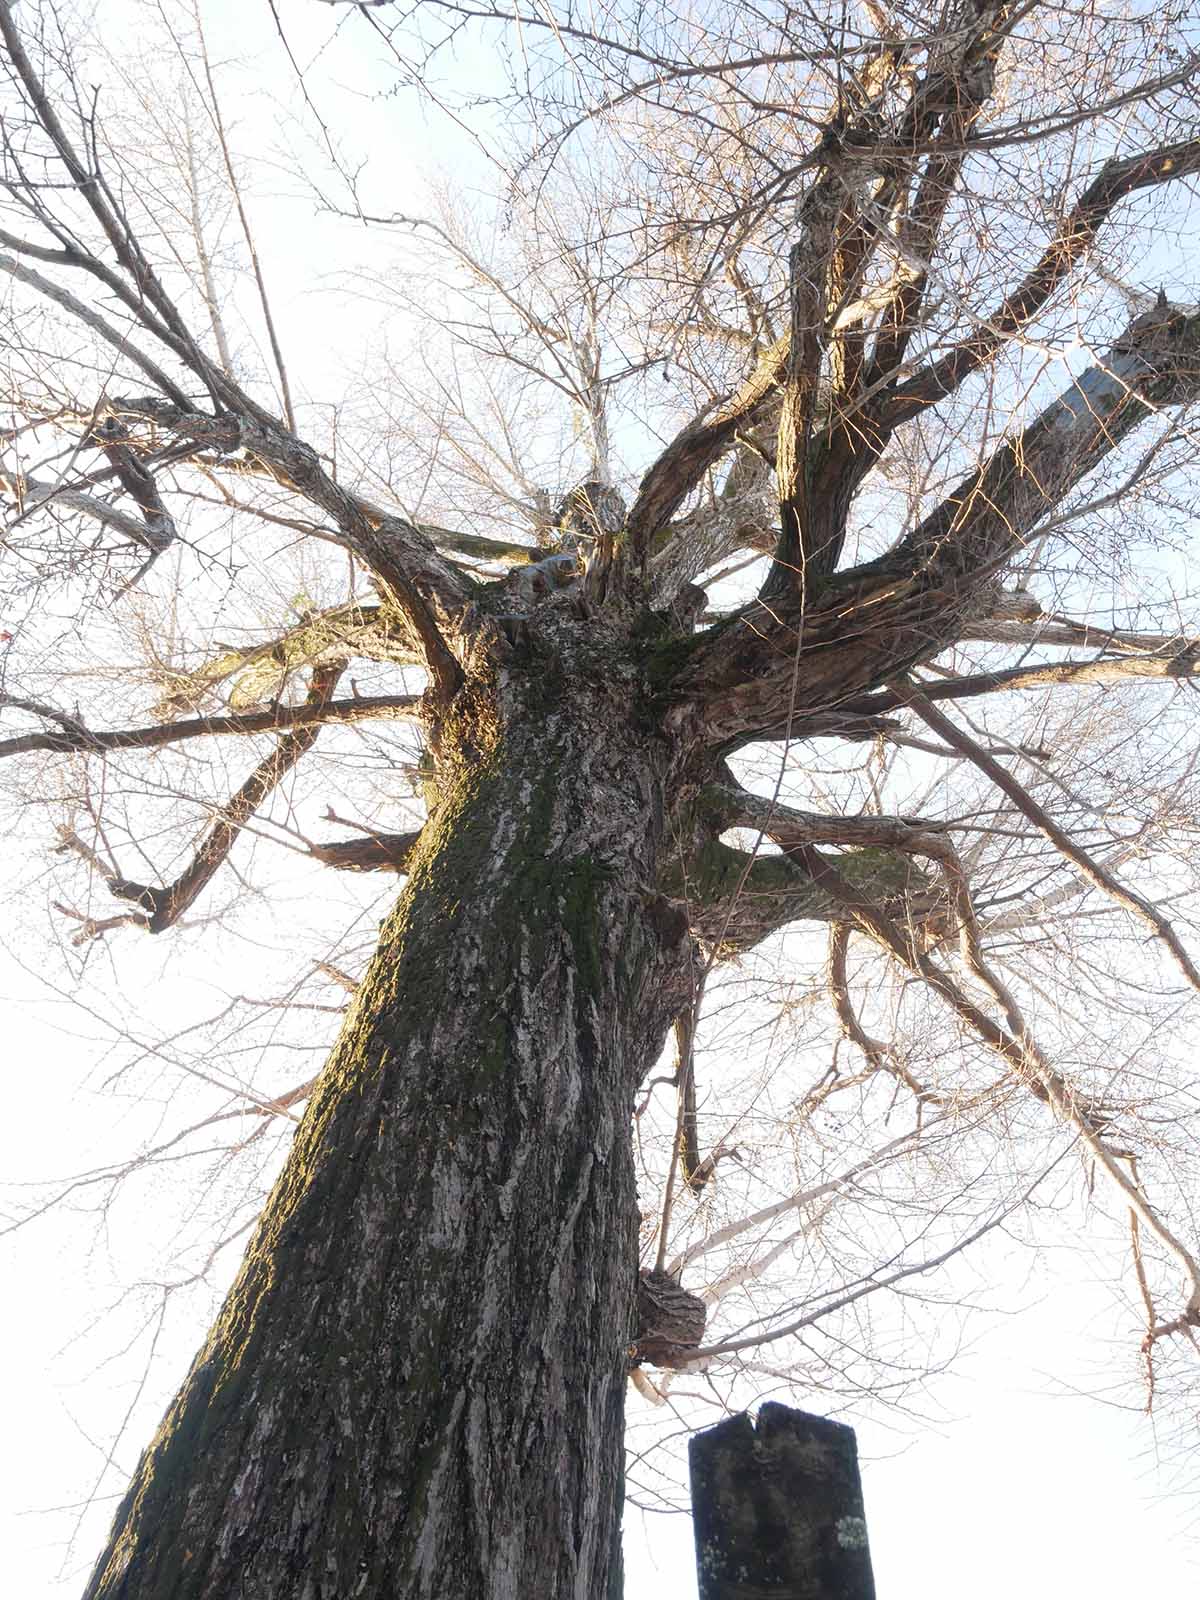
{"points": [[457, 1216]]}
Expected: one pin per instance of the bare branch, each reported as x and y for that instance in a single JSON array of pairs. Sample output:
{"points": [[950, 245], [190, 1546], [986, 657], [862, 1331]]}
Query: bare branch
{"points": [[76, 739], [1085, 863], [1119, 177], [160, 908]]}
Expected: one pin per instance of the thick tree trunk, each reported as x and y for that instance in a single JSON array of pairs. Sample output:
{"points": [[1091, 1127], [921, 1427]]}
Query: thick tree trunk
{"points": [[416, 1385]]}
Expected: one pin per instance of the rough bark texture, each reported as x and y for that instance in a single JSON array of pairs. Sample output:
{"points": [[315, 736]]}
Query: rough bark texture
{"points": [[416, 1385]]}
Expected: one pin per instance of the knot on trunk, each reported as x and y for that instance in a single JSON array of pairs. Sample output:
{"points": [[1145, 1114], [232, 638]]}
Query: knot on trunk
{"points": [[670, 1321]]}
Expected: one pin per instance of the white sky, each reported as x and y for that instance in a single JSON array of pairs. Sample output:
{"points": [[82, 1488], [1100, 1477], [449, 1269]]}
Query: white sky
{"points": [[1016, 1485], [1011, 1484]]}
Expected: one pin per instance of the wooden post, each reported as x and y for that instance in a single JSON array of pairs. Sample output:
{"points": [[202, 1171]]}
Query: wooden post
{"points": [[778, 1509]]}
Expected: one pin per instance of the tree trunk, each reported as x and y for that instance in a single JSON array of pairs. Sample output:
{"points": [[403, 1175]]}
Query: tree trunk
{"points": [[416, 1385]]}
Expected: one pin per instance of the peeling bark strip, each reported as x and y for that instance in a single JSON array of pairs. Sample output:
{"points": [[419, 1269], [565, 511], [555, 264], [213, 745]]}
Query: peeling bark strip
{"points": [[778, 1509], [416, 1386]]}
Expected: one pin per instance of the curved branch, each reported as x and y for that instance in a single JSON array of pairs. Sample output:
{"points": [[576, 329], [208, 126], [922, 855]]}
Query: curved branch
{"points": [[699, 445], [159, 908], [430, 593], [880, 1057], [1085, 864], [31, 492], [1076, 235]]}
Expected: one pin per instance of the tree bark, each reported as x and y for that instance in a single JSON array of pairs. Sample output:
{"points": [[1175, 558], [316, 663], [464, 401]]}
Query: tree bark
{"points": [[416, 1386]]}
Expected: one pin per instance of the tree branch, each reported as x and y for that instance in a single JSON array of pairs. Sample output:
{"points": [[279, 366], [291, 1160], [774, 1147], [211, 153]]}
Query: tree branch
{"points": [[1085, 864], [30, 492], [1013, 1042], [376, 852], [75, 738], [861, 626], [1076, 235], [159, 908], [431, 594], [1183, 665], [93, 320]]}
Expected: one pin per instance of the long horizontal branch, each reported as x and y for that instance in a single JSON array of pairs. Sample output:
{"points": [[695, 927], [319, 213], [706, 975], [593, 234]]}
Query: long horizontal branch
{"points": [[1087, 635], [788, 826], [75, 738], [1044, 675]]}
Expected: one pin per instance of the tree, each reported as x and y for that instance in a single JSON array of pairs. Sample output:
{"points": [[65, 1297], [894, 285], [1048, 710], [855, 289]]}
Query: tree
{"points": [[829, 262]]}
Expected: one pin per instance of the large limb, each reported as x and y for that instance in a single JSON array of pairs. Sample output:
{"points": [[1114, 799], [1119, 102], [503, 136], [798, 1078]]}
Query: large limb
{"points": [[822, 459], [835, 242], [1074, 237], [841, 454], [812, 277], [374, 852], [725, 523], [701, 444], [863, 626]]}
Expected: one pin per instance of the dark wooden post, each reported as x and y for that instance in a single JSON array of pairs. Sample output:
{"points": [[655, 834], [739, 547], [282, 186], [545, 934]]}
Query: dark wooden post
{"points": [[778, 1509]]}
